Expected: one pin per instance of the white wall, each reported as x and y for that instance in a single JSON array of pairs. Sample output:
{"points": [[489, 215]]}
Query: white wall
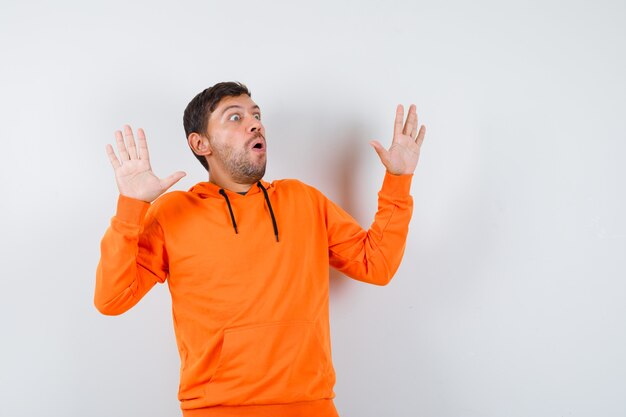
{"points": [[510, 300]]}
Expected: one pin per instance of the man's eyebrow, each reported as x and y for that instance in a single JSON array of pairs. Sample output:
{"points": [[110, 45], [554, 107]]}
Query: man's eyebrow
{"points": [[236, 106]]}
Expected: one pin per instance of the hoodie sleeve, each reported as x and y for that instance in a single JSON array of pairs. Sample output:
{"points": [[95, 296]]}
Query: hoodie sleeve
{"points": [[374, 255], [132, 257]]}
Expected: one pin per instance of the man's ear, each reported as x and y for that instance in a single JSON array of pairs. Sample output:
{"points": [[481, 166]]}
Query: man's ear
{"points": [[199, 144]]}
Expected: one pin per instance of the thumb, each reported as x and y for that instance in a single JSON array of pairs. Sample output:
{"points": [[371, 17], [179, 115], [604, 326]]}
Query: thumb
{"points": [[383, 154], [172, 179]]}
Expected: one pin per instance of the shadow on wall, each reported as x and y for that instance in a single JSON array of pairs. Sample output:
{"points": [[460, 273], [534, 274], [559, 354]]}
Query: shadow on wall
{"points": [[345, 161]]}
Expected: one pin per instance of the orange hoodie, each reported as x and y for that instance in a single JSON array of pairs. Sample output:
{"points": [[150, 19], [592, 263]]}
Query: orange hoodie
{"points": [[248, 275]]}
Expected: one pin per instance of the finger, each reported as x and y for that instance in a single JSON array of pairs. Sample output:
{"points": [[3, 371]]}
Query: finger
{"points": [[383, 154], [112, 158], [130, 142], [411, 122], [415, 132], [397, 126], [172, 179], [121, 146], [420, 136], [143, 145]]}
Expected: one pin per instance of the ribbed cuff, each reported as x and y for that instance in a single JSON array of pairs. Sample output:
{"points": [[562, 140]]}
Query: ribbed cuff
{"points": [[317, 408], [131, 210], [398, 186]]}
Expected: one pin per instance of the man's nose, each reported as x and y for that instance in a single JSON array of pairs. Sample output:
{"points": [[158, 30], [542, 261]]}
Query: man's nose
{"points": [[255, 125]]}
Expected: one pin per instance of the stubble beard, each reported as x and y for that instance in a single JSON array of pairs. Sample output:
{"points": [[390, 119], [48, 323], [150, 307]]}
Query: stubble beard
{"points": [[242, 167]]}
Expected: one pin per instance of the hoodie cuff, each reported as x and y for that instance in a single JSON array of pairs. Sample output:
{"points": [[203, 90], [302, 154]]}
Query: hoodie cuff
{"points": [[398, 186], [130, 210]]}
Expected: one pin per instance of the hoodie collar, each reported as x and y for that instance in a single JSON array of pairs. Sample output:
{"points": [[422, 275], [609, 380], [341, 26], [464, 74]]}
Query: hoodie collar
{"points": [[209, 189]]}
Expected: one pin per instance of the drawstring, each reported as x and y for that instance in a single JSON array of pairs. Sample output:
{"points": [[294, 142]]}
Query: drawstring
{"points": [[230, 209], [269, 205]]}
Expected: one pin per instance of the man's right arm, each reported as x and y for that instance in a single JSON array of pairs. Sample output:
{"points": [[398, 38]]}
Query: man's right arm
{"points": [[133, 256]]}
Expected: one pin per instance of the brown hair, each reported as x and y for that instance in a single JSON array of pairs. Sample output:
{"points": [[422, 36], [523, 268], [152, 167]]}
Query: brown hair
{"points": [[199, 109]]}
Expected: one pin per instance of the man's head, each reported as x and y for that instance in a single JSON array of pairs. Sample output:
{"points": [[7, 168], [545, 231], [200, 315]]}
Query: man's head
{"points": [[224, 131]]}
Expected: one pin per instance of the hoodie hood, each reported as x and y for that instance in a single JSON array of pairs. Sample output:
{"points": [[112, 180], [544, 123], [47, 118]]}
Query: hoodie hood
{"points": [[211, 190]]}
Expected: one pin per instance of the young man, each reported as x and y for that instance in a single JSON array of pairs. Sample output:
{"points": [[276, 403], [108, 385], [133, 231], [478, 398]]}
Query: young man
{"points": [[247, 261]]}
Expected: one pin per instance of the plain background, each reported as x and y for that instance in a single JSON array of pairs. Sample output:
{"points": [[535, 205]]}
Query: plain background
{"points": [[510, 299]]}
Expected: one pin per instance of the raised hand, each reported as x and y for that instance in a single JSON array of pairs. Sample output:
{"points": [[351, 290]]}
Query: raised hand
{"points": [[133, 173], [402, 156]]}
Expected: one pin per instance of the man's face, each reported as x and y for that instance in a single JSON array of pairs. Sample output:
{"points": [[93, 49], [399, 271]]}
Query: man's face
{"points": [[237, 139]]}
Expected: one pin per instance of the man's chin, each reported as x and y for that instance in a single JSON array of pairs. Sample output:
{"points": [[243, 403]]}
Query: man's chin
{"points": [[259, 175], [250, 176]]}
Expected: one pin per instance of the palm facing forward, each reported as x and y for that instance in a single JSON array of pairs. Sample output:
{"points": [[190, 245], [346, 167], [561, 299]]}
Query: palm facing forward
{"points": [[133, 172], [404, 152]]}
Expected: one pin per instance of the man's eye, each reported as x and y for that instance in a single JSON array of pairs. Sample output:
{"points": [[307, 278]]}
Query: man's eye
{"points": [[257, 116], [234, 117]]}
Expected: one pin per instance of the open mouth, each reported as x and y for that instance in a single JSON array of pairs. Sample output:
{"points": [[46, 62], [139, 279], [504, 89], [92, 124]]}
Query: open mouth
{"points": [[258, 144]]}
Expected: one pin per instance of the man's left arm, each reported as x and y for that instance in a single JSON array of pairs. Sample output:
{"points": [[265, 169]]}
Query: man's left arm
{"points": [[374, 255]]}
